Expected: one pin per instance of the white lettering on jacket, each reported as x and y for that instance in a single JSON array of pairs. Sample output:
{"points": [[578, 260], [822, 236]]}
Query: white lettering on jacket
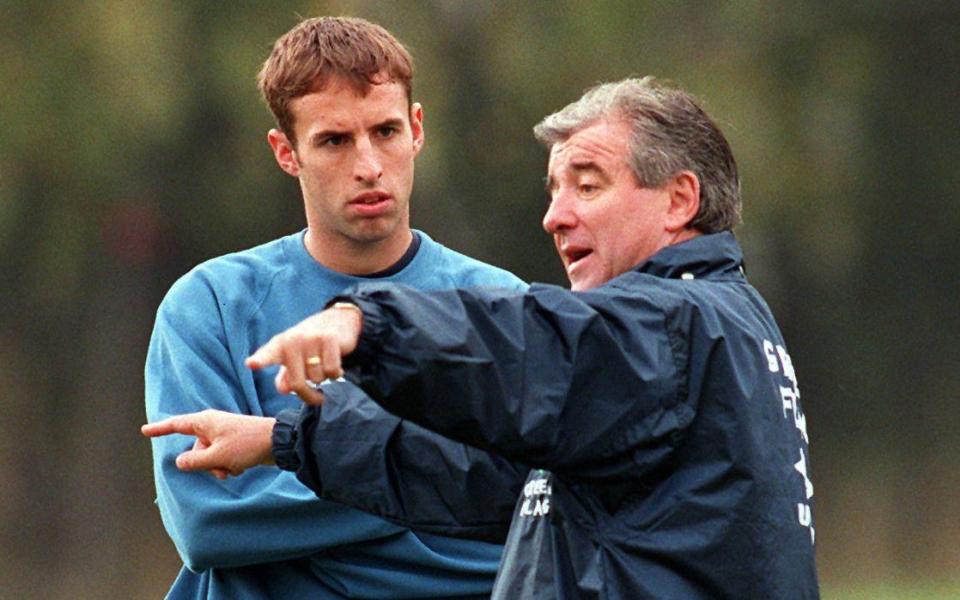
{"points": [[536, 498], [779, 361]]}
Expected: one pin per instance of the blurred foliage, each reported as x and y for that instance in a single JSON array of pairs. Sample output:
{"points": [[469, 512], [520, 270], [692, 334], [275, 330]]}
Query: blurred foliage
{"points": [[133, 146]]}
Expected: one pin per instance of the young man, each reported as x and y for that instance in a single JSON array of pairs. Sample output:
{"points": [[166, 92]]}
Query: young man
{"points": [[655, 401], [340, 90]]}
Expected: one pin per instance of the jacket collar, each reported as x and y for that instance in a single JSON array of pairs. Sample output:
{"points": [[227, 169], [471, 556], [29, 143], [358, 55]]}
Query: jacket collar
{"points": [[709, 255]]}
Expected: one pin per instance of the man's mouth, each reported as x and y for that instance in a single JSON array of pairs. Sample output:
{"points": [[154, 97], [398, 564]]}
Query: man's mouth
{"points": [[370, 198], [575, 255], [371, 204]]}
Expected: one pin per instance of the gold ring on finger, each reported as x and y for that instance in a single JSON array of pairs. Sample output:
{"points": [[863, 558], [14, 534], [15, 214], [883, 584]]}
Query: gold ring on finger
{"points": [[313, 361]]}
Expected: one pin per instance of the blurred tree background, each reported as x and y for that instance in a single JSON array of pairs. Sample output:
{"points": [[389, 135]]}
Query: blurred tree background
{"points": [[132, 147]]}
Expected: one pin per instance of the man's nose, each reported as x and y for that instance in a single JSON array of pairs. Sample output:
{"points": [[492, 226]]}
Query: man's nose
{"points": [[560, 215], [368, 166]]}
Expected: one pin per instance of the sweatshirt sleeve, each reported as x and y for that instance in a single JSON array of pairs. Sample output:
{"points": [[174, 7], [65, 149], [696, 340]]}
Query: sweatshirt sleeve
{"points": [[352, 451], [589, 385], [262, 516]]}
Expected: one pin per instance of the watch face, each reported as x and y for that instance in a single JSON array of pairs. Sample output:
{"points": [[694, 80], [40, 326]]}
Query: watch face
{"points": [[319, 385]]}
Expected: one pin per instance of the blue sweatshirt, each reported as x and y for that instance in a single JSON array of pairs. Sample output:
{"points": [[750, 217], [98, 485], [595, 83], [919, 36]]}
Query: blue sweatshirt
{"points": [[264, 534]]}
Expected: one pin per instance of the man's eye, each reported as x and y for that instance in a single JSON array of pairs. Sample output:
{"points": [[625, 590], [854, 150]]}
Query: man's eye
{"points": [[587, 188], [386, 131], [334, 140]]}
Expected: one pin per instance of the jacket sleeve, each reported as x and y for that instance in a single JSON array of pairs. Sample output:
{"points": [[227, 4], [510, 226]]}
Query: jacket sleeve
{"points": [[352, 451], [262, 516], [589, 385]]}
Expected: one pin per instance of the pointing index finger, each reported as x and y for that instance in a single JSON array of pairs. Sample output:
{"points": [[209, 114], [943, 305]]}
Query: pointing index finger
{"points": [[168, 426], [266, 355]]}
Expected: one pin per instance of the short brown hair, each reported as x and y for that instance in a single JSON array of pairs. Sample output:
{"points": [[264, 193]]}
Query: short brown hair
{"points": [[670, 133], [307, 56]]}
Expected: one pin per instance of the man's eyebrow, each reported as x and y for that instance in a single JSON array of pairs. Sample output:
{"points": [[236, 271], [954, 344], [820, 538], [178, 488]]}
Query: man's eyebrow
{"points": [[587, 166], [582, 166], [392, 122], [325, 133]]}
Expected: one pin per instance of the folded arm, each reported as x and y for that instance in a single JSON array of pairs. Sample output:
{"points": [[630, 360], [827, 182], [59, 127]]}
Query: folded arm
{"points": [[262, 516]]}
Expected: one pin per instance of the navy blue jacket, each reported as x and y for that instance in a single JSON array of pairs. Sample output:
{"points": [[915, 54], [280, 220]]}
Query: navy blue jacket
{"points": [[660, 412], [396, 469]]}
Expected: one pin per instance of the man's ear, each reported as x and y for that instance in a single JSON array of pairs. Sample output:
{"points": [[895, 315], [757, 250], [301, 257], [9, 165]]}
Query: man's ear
{"points": [[684, 190], [416, 126], [284, 152]]}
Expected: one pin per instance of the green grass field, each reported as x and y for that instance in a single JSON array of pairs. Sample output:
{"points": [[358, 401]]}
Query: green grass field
{"points": [[893, 591]]}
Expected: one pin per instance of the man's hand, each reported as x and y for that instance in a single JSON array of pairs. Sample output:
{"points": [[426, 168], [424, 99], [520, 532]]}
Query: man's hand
{"points": [[226, 443], [311, 350]]}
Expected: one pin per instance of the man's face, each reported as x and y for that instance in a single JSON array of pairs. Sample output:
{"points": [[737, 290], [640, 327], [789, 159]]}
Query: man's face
{"points": [[603, 223], [354, 157]]}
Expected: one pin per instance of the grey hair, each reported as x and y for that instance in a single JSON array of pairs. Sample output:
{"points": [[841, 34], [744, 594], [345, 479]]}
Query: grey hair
{"points": [[670, 133]]}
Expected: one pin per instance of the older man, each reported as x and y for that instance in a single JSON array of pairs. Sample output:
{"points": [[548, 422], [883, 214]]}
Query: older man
{"points": [[656, 400]]}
